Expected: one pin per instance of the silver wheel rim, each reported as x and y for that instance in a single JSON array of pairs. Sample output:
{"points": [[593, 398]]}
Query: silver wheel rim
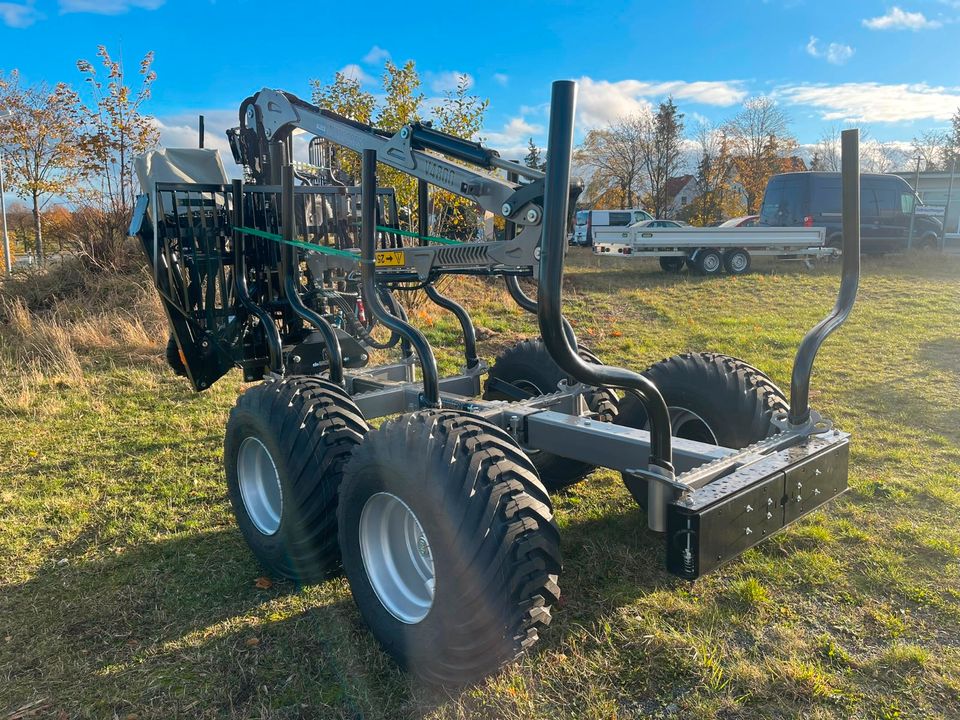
{"points": [[711, 263], [397, 557], [738, 263], [259, 486]]}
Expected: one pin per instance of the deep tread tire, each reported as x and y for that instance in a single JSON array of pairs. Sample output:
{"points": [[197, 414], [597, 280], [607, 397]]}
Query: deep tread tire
{"points": [[736, 400], [489, 524], [310, 427], [528, 361], [173, 358]]}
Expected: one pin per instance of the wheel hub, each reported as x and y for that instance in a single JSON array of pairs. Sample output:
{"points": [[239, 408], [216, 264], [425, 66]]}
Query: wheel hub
{"points": [[397, 557], [260, 487]]}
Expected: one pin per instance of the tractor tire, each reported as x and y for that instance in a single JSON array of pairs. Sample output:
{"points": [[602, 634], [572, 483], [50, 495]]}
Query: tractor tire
{"points": [[672, 264], [708, 261], [736, 261], [286, 444], [174, 360], [449, 545], [712, 398], [928, 243], [529, 367]]}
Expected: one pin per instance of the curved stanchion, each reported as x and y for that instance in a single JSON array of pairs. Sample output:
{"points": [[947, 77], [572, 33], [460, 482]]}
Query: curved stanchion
{"points": [[368, 281], [270, 331], [460, 312], [291, 275], [549, 296], [849, 280]]}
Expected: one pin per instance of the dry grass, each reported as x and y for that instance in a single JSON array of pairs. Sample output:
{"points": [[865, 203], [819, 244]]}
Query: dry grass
{"points": [[55, 320]]}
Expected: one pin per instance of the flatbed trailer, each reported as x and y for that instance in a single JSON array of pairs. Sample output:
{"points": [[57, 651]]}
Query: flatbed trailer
{"points": [[710, 251]]}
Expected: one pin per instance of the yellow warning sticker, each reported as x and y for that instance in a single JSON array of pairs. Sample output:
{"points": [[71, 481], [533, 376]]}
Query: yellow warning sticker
{"points": [[390, 258]]}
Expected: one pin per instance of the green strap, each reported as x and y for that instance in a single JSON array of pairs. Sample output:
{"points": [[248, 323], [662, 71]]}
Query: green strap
{"points": [[296, 243], [418, 236]]}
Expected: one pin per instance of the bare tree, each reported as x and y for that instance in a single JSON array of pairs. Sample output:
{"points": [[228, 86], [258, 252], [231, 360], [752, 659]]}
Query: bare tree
{"points": [[662, 153], [933, 148], [761, 140], [880, 157], [615, 156], [827, 150], [953, 150]]}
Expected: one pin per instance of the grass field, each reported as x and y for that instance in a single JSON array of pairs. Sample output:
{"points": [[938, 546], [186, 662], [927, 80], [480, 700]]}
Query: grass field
{"points": [[126, 590]]}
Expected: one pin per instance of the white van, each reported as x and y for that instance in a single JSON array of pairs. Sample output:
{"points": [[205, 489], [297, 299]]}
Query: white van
{"points": [[590, 220]]}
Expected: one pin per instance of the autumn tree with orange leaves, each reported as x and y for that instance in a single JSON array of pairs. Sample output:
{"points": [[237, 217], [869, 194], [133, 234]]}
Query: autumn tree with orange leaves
{"points": [[41, 141]]}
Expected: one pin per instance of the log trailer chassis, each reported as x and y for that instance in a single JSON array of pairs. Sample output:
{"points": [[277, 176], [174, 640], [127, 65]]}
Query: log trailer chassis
{"points": [[439, 518]]}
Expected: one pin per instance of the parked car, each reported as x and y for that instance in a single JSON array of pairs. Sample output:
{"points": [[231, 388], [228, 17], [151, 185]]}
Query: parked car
{"points": [[658, 223], [742, 221], [590, 220], [812, 199]]}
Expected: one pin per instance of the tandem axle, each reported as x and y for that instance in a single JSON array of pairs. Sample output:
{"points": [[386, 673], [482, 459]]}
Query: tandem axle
{"points": [[441, 517]]}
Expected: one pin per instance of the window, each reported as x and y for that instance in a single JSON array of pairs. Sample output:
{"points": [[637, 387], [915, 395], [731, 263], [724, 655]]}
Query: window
{"points": [[619, 218], [683, 199], [783, 202], [868, 204], [826, 198], [582, 217], [907, 201], [888, 201]]}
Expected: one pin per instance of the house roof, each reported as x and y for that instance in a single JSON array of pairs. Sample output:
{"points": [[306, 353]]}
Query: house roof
{"points": [[794, 163], [674, 185]]}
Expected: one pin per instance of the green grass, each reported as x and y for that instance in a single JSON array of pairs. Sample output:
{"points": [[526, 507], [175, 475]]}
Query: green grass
{"points": [[126, 590]]}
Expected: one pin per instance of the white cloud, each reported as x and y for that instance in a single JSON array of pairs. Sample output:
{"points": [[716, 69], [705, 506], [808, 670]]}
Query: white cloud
{"points": [[182, 131], [107, 7], [835, 53], [601, 102], [18, 15], [511, 140], [897, 19], [446, 81], [376, 55], [874, 102], [501, 79], [355, 72]]}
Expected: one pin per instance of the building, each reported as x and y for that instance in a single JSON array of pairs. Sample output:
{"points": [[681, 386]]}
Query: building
{"points": [[679, 191], [933, 189]]}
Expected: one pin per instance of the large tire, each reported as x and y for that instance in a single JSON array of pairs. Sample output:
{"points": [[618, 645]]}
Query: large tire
{"points": [[672, 264], [736, 261], [707, 261], [928, 243], [712, 398], [528, 366], [286, 444], [174, 359], [477, 558]]}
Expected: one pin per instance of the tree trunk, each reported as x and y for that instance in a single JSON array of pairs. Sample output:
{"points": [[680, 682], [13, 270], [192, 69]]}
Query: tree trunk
{"points": [[37, 232]]}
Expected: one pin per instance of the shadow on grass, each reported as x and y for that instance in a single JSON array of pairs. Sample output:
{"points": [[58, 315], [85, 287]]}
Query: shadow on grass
{"points": [[159, 626], [942, 353], [178, 628]]}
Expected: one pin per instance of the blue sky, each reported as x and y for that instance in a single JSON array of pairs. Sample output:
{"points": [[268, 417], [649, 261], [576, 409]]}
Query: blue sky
{"points": [[892, 67]]}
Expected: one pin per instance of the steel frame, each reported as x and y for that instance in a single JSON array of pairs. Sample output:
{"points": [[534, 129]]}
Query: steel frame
{"points": [[698, 493]]}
